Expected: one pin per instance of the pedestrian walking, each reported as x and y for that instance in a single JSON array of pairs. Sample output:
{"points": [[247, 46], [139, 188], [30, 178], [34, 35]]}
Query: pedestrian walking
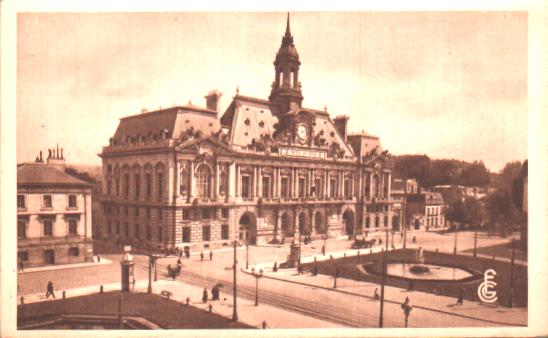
{"points": [[323, 250], [179, 261], [460, 299], [204, 296], [187, 254], [414, 239], [210, 255], [202, 256], [21, 266], [376, 294], [98, 258], [275, 268], [315, 270], [49, 290]]}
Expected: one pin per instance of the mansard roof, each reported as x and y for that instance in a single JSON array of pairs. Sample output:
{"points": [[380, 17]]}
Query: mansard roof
{"points": [[171, 121]]}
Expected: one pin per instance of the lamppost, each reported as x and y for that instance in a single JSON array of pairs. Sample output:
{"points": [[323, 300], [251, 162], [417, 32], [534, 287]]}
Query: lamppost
{"points": [[234, 309], [300, 248], [456, 232], [383, 277], [513, 262], [324, 243], [149, 289], [155, 262], [257, 275], [475, 241]]}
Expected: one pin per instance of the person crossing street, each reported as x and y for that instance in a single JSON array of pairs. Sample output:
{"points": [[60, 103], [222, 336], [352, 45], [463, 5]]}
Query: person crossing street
{"points": [[49, 290]]}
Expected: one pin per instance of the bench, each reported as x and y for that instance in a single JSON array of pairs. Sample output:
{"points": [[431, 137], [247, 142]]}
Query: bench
{"points": [[166, 294]]}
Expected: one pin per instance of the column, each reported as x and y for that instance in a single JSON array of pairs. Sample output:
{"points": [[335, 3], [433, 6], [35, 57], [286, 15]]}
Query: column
{"points": [[191, 187], [254, 188], [177, 180], [276, 182], [327, 184], [237, 181], [294, 184], [370, 185], [310, 181], [389, 184], [259, 182], [341, 183], [216, 182]]}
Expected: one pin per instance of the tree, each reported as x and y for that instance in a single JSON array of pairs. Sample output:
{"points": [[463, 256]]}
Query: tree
{"points": [[473, 211], [475, 174], [501, 212], [456, 212], [506, 177]]}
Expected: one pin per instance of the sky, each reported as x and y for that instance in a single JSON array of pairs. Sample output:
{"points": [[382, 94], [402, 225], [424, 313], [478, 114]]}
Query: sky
{"points": [[444, 84]]}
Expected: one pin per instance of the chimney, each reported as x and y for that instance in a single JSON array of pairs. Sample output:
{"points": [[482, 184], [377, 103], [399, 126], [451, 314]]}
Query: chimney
{"points": [[212, 100], [341, 123], [55, 158]]}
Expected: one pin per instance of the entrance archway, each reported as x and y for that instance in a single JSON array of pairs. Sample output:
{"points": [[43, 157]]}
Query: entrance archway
{"points": [[319, 223], [303, 228], [348, 218], [288, 230], [248, 228]]}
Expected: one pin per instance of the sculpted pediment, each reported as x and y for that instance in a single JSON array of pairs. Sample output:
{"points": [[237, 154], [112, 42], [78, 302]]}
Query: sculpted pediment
{"points": [[206, 147]]}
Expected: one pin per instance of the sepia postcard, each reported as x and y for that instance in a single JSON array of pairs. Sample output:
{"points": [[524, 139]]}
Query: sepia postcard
{"points": [[232, 171]]}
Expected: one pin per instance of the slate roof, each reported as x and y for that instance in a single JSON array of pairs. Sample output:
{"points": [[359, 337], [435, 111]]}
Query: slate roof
{"points": [[43, 175], [174, 120]]}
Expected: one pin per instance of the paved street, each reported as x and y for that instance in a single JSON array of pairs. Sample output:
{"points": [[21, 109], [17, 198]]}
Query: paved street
{"points": [[310, 297]]}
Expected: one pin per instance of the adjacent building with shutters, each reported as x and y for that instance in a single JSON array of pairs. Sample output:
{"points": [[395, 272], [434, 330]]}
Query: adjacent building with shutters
{"points": [[53, 214], [264, 171]]}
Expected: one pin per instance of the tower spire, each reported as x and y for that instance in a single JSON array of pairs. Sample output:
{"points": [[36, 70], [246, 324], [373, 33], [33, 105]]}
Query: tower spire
{"points": [[287, 30]]}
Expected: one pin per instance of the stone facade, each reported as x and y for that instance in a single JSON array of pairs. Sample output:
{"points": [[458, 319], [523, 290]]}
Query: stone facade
{"points": [[264, 171], [54, 223]]}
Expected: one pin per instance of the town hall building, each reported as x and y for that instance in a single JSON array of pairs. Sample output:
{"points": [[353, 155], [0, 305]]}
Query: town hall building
{"points": [[264, 171]]}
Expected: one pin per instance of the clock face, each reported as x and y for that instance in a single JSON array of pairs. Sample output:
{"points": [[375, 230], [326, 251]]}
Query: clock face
{"points": [[301, 131]]}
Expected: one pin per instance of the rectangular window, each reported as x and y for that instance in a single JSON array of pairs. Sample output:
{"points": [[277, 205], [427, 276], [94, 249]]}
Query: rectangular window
{"points": [[302, 186], [186, 214], [206, 233], [72, 202], [148, 182], [347, 189], [333, 187], [285, 187], [149, 232], [224, 213], [206, 213], [21, 229], [137, 179], [367, 222], [224, 231], [246, 186], [317, 187], [126, 185], [74, 252], [186, 234], [126, 230], [160, 178], [160, 235], [136, 212], [109, 229], [266, 186], [117, 180], [126, 210], [117, 228], [47, 201], [48, 227], [109, 186], [73, 227], [137, 231], [160, 213], [21, 202], [22, 256]]}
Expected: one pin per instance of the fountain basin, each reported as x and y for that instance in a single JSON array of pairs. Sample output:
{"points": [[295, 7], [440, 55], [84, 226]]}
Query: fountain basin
{"points": [[422, 272], [419, 269]]}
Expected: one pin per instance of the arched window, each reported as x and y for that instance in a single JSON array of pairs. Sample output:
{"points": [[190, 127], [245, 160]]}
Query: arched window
{"points": [[184, 180], [223, 183], [203, 181], [160, 179], [376, 186]]}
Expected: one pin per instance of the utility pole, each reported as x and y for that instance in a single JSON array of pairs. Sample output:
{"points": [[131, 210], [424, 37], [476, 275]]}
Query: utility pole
{"points": [[512, 273], [382, 288], [155, 268], [300, 248], [120, 299], [234, 309], [149, 289], [456, 232], [475, 241], [404, 215]]}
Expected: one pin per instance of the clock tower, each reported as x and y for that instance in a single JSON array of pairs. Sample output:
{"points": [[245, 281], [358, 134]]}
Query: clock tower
{"points": [[286, 88]]}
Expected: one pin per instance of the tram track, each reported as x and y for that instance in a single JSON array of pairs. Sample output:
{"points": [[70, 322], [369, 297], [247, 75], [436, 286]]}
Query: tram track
{"points": [[331, 313]]}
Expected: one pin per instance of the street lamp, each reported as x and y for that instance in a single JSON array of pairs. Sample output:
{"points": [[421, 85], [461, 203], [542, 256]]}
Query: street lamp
{"points": [[149, 289], [324, 244], [257, 276], [234, 309], [383, 277], [475, 240], [456, 232], [155, 262]]}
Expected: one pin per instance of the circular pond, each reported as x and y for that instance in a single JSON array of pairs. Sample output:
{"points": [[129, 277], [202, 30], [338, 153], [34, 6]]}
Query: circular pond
{"points": [[436, 272]]}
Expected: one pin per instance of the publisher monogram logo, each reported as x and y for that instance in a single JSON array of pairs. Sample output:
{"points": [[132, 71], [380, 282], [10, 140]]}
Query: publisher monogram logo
{"points": [[486, 291]]}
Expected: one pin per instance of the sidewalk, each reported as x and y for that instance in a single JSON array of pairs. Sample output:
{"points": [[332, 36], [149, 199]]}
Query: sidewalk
{"points": [[248, 313], [501, 315], [67, 266]]}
